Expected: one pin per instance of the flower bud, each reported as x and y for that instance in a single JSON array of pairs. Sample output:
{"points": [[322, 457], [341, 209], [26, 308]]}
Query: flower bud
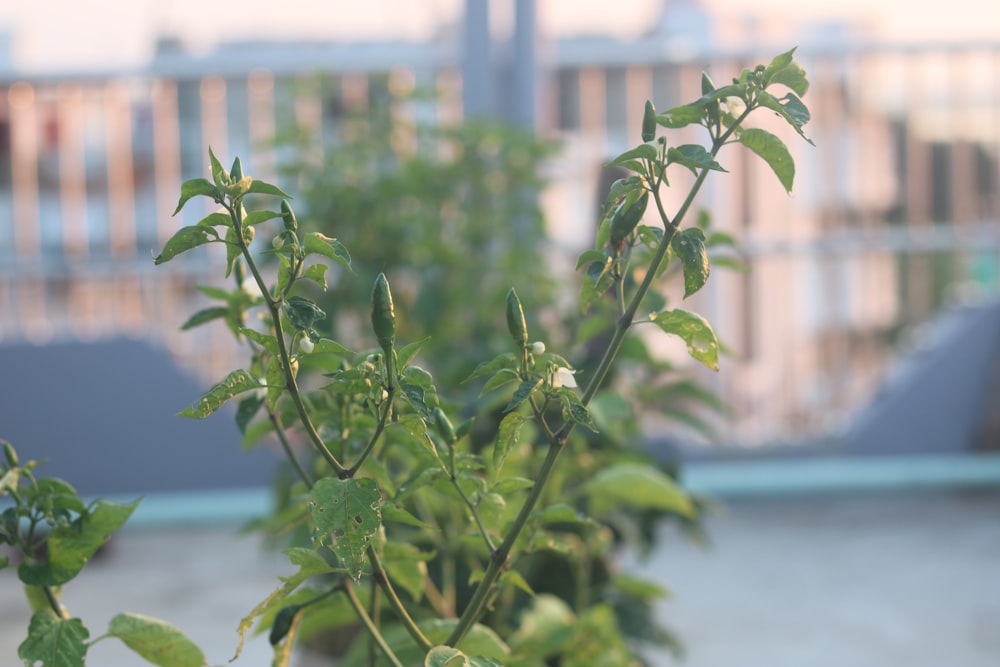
{"points": [[537, 348], [306, 345]]}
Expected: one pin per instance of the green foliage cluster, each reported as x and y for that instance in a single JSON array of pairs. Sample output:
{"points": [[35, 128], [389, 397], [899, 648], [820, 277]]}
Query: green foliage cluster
{"points": [[440, 545]]}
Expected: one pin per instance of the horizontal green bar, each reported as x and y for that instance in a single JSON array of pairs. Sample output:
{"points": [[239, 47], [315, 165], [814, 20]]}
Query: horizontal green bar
{"points": [[760, 478]]}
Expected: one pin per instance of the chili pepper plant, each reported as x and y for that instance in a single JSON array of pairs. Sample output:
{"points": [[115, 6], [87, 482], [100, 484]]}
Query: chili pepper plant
{"points": [[424, 537]]}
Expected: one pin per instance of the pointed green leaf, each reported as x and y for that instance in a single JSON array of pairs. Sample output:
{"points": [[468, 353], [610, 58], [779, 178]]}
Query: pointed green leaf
{"points": [[788, 107], [575, 411], [247, 410], [217, 219], [773, 151], [499, 379], [262, 188], [506, 360], [194, 188], [647, 151], [54, 641], [321, 244], [71, 546], [406, 353], [156, 641], [257, 217], [394, 513], [219, 173], [701, 340], [233, 250], [348, 512], [517, 580], [445, 656], [317, 274], [267, 341], [522, 393], [235, 383], [508, 435], [692, 156], [303, 313], [327, 346], [636, 486], [687, 114], [184, 239], [785, 71], [203, 316], [689, 245]]}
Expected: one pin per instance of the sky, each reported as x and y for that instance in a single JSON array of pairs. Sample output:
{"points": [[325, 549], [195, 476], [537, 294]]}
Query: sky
{"points": [[82, 34]]}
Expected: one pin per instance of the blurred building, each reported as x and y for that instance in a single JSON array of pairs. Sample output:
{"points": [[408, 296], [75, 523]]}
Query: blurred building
{"points": [[892, 220]]}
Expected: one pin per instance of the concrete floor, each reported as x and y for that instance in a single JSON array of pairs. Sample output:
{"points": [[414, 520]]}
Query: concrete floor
{"points": [[873, 580]]}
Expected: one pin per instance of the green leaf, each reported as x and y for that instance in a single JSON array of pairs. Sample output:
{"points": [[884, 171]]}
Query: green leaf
{"points": [[396, 514], [407, 566], [406, 353], [54, 641], [636, 486], [517, 580], [232, 249], [522, 393], [219, 173], [687, 114], [247, 410], [508, 435], [256, 217], [331, 248], [156, 641], [484, 646], [203, 316], [327, 346], [692, 156], [184, 239], [773, 151], [445, 656], [788, 107], [575, 411], [303, 313], [785, 71], [635, 587], [701, 340], [317, 274], [499, 379], [235, 383], [267, 341], [348, 512], [197, 187], [689, 245], [506, 360], [418, 385], [71, 546], [262, 188], [217, 219], [647, 151]]}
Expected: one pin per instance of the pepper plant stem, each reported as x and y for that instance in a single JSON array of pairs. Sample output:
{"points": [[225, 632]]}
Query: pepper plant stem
{"points": [[369, 624]]}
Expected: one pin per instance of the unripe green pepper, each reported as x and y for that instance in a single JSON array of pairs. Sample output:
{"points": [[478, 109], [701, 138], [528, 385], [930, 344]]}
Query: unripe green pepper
{"points": [[288, 217], [444, 426], [10, 454], [515, 320], [384, 324], [649, 122], [236, 173], [283, 622], [626, 218]]}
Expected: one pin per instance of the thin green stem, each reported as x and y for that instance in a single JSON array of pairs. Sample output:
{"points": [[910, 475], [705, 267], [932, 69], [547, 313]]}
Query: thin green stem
{"points": [[379, 427], [236, 215], [382, 578], [556, 443], [53, 602], [475, 513], [280, 431], [373, 611], [362, 614]]}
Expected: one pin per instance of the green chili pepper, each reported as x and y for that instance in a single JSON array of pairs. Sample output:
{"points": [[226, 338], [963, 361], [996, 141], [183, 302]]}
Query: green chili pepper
{"points": [[288, 216], [10, 454], [444, 426], [283, 622], [626, 218], [649, 122], [383, 314], [515, 320]]}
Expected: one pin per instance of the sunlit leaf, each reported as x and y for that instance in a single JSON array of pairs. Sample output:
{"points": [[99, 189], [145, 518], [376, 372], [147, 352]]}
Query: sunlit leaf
{"points": [[156, 641], [689, 246], [54, 641], [773, 151], [696, 332], [185, 239], [331, 248], [636, 486], [235, 383], [348, 513]]}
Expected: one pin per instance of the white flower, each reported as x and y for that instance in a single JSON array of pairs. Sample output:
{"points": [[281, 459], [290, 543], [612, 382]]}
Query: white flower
{"points": [[306, 345], [262, 392], [538, 347], [563, 377]]}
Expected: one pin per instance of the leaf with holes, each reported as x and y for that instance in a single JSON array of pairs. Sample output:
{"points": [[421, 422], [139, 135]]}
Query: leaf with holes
{"points": [[331, 248], [348, 511], [235, 383], [184, 239], [701, 340], [689, 245], [54, 641]]}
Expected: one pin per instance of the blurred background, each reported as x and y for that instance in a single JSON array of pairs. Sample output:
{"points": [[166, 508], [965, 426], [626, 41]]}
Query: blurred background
{"points": [[863, 330]]}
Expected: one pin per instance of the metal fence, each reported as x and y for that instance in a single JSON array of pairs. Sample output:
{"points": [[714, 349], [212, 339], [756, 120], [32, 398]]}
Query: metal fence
{"points": [[893, 217]]}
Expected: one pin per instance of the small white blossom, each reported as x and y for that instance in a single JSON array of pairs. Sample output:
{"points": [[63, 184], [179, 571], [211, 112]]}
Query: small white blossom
{"points": [[262, 392], [277, 242], [306, 345], [538, 347], [563, 377]]}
